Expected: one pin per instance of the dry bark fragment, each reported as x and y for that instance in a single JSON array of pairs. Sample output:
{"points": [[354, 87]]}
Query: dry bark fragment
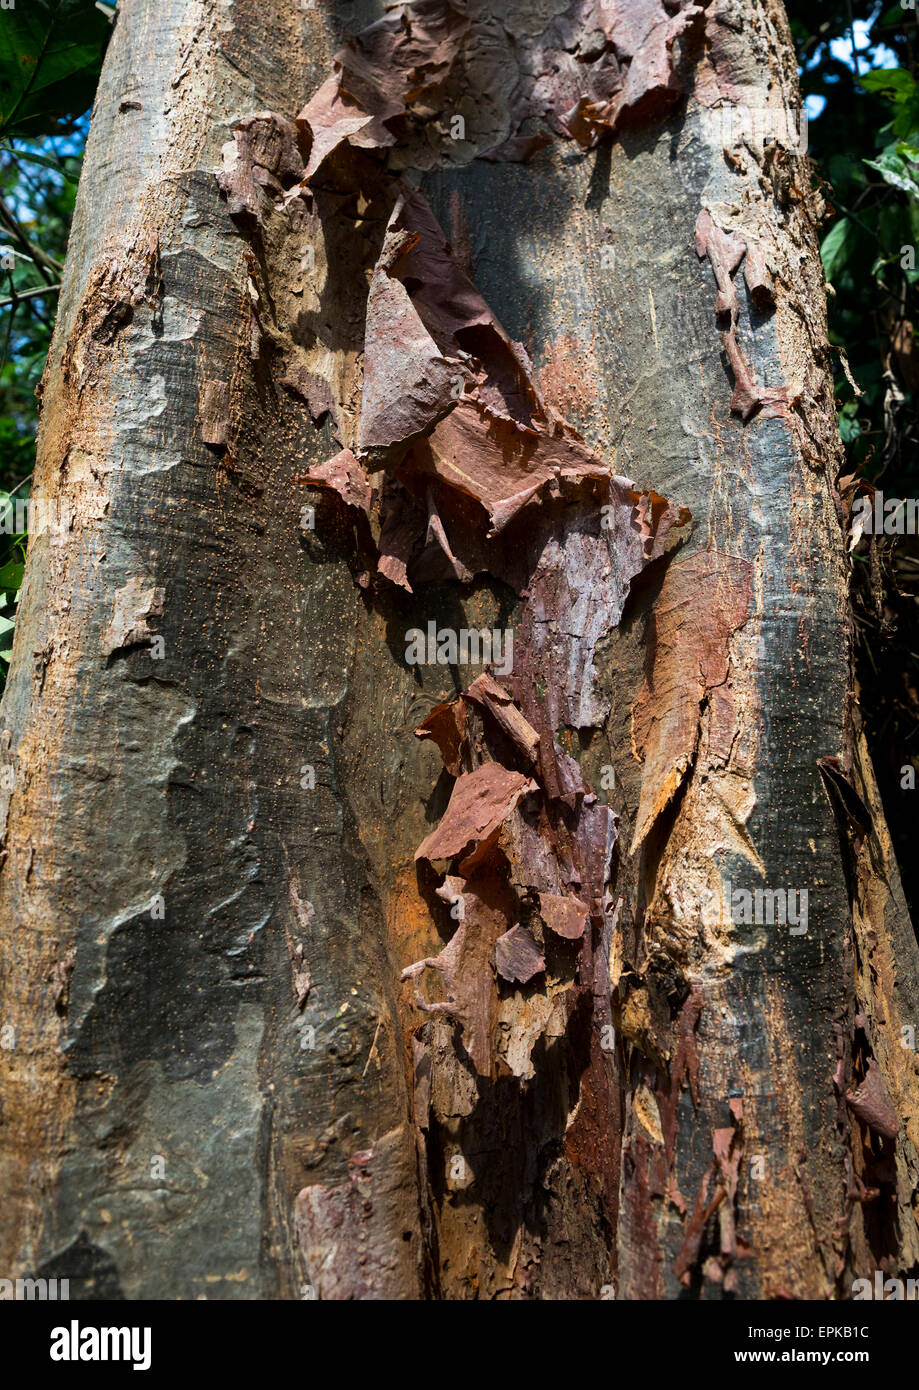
{"points": [[480, 803], [408, 384], [312, 388], [465, 963], [486, 692], [500, 464], [748, 397], [263, 159], [725, 252], [344, 475], [215, 412], [517, 956], [567, 917], [704, 600], [759, 278], [379, 76], [446, 725], [646, 37], [134, 605], [872, 1104]]}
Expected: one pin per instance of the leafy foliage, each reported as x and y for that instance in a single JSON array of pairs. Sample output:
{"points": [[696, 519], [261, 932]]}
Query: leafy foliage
{"points": [[860, 59], [865, 144], [40, 199], [35, 211], [50, 58]]}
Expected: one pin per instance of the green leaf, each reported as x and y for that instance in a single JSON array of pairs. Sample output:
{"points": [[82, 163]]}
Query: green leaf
{"points": [[50, 58], [836, 247], [33, 157], [849, 425], [897, 81], [898, 86], [11, 576], [896, 171]]}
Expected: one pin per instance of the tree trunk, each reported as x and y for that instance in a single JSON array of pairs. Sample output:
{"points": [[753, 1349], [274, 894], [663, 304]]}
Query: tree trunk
{"points": [[333, 965]]}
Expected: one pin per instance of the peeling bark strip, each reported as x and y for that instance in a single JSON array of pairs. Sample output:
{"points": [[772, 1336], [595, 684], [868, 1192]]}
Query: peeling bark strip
{"points": [[480, 804], [600, 66], [703, 602], [450, 407], [451, 415], [449, 404], [380, 76], [588, 1076], [725, 251], [263, 158]]}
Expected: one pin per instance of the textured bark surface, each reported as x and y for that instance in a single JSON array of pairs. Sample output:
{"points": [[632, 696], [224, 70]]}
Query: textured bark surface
{"points": [[325, 971]]}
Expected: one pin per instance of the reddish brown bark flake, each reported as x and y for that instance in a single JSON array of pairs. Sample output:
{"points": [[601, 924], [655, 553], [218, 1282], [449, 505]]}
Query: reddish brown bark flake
{"points": [[480, 803], [871, 1102], [344, 475], [567, 917], [704, 600], [379, 76], [517, 956]]}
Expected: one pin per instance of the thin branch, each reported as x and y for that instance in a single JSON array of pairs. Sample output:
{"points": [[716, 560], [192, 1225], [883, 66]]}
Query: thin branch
{"points": [[25, 480], [24, 175], [7, 338], [37, 293], [852, 40], [43, 261], [853, 216]]}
